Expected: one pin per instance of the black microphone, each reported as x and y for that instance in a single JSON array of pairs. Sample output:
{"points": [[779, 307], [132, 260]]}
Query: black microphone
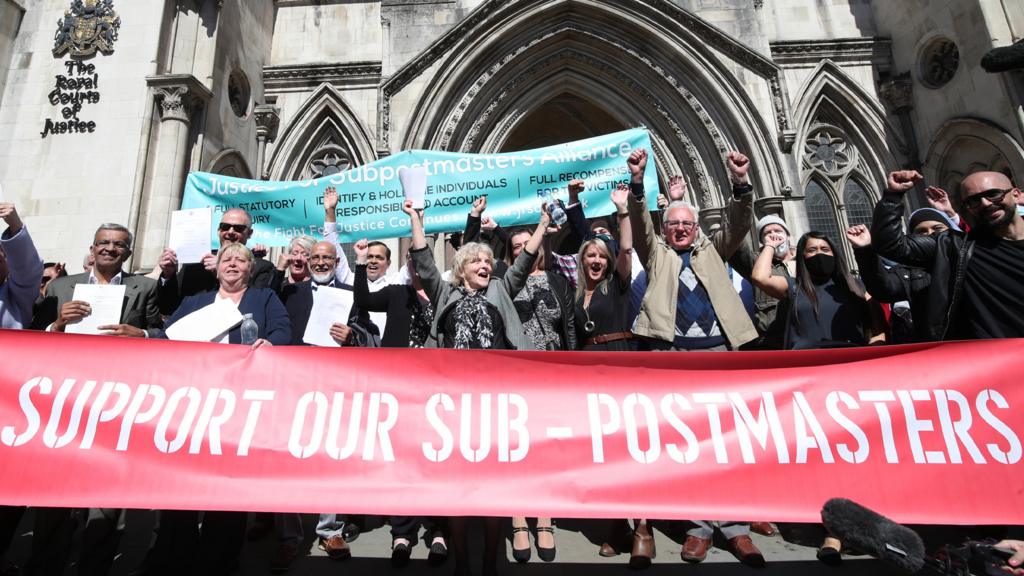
{"points": [[874, 534]]}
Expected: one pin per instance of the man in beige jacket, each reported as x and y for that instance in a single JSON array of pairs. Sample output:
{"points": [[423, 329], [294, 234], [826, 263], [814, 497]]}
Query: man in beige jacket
{"points": [[690, 303]]}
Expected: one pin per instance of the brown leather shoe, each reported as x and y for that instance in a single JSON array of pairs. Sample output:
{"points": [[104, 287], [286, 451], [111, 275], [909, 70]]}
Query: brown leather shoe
{"points": [[695, 549], [643, 548], [746, 552], [336, 547], [762, 528], [607, 550]]}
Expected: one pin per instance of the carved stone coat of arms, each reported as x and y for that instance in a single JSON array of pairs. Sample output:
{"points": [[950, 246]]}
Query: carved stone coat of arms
{"points": [[88, 26]]}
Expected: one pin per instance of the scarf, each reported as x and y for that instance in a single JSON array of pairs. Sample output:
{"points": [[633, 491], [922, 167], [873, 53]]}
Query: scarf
{"points": [[473, 323]]}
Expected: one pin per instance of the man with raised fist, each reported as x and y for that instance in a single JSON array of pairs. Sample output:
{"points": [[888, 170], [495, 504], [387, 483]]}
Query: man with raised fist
{"points": [[978, 278]]}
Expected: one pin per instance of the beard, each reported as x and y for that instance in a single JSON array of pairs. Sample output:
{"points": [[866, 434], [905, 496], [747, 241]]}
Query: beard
{"points": [[982, 221], [324, 278]]}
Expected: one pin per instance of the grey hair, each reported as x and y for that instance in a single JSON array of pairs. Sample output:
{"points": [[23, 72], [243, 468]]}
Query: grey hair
{"points": [[684, 204], [116, 228], [464, 254], [304, 242]]}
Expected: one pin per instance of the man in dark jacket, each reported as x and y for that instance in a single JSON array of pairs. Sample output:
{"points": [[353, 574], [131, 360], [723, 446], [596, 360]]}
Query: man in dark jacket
{"points": [[978, 279], [235, 228], [897, 284]]}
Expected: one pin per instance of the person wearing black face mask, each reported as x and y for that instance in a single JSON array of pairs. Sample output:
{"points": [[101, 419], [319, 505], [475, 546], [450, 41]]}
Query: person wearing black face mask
{"points": [[828, 307]]}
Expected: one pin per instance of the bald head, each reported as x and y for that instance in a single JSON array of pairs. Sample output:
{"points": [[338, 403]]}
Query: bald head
{"points": [[323, 260], [981, 181], [989, 200]]}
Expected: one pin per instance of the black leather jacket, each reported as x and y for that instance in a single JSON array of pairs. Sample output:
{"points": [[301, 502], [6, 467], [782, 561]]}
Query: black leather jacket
{"points": [[895, 284], [944, 256]]}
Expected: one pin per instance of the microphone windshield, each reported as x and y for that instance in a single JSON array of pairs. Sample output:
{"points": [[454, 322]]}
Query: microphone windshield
{"points": [[873, 534]]}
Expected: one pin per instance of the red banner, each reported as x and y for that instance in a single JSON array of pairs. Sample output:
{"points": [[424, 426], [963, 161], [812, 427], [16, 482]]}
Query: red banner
{"points": [[926, 434]]}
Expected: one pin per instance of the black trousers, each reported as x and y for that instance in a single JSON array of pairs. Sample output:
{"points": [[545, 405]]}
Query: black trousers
{"points": [[182, 547]]}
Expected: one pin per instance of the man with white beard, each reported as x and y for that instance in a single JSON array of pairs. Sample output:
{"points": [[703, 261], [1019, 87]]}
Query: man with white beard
{"points": [[356, 330]]}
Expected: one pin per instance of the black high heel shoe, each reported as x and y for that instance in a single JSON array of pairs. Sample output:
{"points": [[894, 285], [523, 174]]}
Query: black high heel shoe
{"points": [[546, 554], [521, 556]]}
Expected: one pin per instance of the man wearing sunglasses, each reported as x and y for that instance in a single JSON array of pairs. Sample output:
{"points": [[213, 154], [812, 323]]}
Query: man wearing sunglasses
{"points": [[978, 278], [235, 228]]}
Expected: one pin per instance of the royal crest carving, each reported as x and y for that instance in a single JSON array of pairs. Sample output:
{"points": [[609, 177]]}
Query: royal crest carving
{"points": [[88, 26]]}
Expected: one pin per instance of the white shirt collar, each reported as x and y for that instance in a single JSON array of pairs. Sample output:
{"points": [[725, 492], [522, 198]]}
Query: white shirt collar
{"points": [[115, 281]]}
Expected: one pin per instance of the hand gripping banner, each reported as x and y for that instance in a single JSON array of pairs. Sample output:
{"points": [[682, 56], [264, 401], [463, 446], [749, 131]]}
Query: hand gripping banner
{"points": [[925, 433], [370, 196]]}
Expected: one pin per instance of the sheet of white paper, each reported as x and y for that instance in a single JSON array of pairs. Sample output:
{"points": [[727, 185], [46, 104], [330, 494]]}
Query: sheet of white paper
{"points": [[330, 306], [105, 300], [2, 193], [207, 323], [190, 234], [414, 183]]}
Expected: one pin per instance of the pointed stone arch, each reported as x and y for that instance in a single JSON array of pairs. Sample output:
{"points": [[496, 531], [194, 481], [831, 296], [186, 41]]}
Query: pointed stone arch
{"points": [[326, 130], [508, 58], [966, 145], [831, 97], [842, 151], [230, 162]]}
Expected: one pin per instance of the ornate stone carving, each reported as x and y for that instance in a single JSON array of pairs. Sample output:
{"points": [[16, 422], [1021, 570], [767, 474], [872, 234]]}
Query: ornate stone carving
{"points": [[704, 183], [898, 92], [178, 95], [174, 103], [863, 50], [492, 9], [829, 151], [703, 180], [88, 26], [268, 119], [336, 73], [329, 162], [939, 62]]}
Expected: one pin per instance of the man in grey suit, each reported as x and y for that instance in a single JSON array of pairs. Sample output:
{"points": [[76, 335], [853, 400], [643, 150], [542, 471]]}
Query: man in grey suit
{"points": [[111, 247], [140, 315]]}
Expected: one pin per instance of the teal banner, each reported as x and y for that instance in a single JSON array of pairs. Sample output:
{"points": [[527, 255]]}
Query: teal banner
{"points": [[371, 196]]}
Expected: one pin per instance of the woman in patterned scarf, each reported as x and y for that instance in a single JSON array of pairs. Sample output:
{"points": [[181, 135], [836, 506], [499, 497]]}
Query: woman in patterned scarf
{"points": [[472, 312]]}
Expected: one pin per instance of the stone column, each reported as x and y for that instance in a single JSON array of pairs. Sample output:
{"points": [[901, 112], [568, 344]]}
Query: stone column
{"points": [[898, 94], [179, 98], [268, 118]]}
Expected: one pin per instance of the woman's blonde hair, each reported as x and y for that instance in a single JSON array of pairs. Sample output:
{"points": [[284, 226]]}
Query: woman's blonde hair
{"points": [[581, 270], [466, 254], [237, 248]]}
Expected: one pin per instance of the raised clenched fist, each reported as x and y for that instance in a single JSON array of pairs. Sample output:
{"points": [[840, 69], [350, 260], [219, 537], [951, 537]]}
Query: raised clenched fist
{"points": [[901, 181]]}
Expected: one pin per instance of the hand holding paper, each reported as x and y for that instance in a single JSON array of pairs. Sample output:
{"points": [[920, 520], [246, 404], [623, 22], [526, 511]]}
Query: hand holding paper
{"points": [[414, 183], [190, 236], [330, 306], [93, 305]]}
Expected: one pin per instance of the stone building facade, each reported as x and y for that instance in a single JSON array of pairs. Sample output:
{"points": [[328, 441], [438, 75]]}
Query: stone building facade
{"points": [[825, 97]]}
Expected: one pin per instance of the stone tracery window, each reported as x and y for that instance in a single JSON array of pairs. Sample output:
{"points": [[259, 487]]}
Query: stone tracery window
{"points": [[329, 162], [828, 151], [834, 194]]}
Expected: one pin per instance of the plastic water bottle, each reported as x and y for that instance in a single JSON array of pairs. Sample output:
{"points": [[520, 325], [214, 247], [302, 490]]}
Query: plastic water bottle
{"points": [[250, 330], [556, 211]]}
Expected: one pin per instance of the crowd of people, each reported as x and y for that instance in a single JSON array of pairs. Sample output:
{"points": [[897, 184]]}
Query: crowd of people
{"points": [[635, 280]]}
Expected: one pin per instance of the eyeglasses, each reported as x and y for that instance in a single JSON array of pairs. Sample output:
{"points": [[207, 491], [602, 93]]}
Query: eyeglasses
{"points": [[240, 228], [327, 259], [680, 224], [993, 195], [111, 244]]}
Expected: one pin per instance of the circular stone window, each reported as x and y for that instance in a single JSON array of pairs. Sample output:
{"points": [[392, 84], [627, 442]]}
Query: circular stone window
{"points": [[239, 93], [939, 62]]}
